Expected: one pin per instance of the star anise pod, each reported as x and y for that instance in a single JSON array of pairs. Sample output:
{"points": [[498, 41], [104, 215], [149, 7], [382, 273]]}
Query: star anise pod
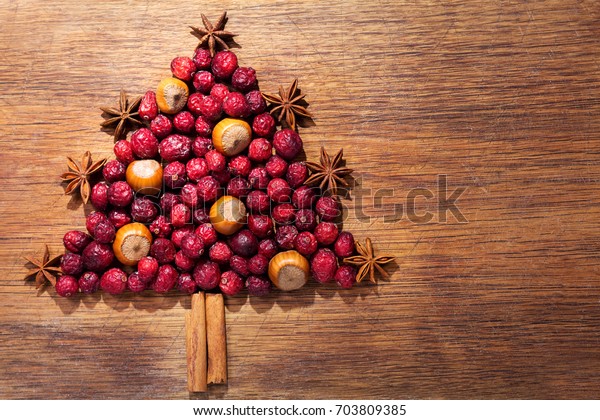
{"points": [[125, 117], [329, 173], [45, 269], [78, 176], [213, 35], [286, 105], [368, 261]]}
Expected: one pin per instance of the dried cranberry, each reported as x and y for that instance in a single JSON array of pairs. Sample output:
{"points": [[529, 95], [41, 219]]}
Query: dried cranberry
{"points": [[202, 59], [208, 233], [285, 236], [244, 79], [259, 150], [256, 101], [267, 247], [279, 190], [119, 217], [120, 194], [168, 200], [344, 245], [261, 225], [194, 103], [183, 68], [183, 262], [166, 279], [244, 243], [258, 202], [143, 210], [222, 177], [210, 108], [180, 215], [114, 281], [76, 241], [204, 81], [184, 121], [124, 152], [114, 171], [259, 178], [208, 188], [196, 168], [239, 265], [163, 250], [258, 286], [161, 126], [147, 268], [326, 233], [204, 130], [304, 197], [219, 91], [200, 216], [135, 283], [192, 245], [284, 213], [240, 166], [263, 125], [179, 234], [220, 253], [189, 195], [323, 265], [175, 147], [296, 174], [144, 143], [148, 109], [161, 227], [287, 143], [305, 243], [66, 286], [99, 196], [258, 264], [89, 282], [207, 275], [327, 208], [71, 264], [236, 106], [104, 232], [238, 187], [345, 276], [174, 175], [224, 64], [215, 160], [276, 167], [306, 220], [231, 283], [186, 284], [93, 219]]}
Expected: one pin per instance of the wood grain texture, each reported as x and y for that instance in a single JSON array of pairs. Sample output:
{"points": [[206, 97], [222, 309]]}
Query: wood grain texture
{"points": [[502, 97]]}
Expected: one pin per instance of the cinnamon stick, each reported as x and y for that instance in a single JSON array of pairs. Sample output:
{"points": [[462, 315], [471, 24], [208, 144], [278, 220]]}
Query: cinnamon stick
{"points": [[195, 326], [216, 339]]}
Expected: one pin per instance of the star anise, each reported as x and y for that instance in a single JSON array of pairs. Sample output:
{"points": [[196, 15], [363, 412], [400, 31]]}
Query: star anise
{"points": [[78, 176], [329, 173], [125, 117], [287, 106], [213, 35], [368, 261], [45, 269]]}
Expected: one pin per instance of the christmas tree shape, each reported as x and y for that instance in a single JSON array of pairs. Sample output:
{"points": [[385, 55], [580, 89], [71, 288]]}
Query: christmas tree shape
{"points": [[207, 196]]}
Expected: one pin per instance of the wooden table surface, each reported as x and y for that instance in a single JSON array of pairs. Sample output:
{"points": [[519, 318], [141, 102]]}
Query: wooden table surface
{"points": [[500, 97]]}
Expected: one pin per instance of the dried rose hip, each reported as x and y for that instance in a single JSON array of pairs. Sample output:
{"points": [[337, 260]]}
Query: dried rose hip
{"points": [[306, 220], [200, 216], [267, 247], [236, 106], [258, 286], [163, 250], [284, 213], [207, 275], [147, 268], [210, 108], [323, 265], [215, 160], [208, 188], [166, 279], [183, 68], [120, 194], [345, 276], [240, 166], [297, 173], [119, 218], [279, 190], [192, 245], [93, 219], [181, 215], [189, 195], [304, 197], [144, 144], [202, 59], [66, 286], [220, 253], [259, 150], [261, 225], [124, 152], [231, 283], [287, 143], [204, 130], [168, 200], [224, 64], [76, 241], [244, 243], [135, 284], [161, 227], [259, 178], [196, 168], [174, 175], [186, 284], [263, 125], [256, 101], [208, 233], [71, 264], [184, 263], [326, 233], [204, 81], [239, 265], [258, 202], [143, 210], [238, 187], [104, 232], [148, 109], [305, 243], [219, 91], [244, 79], [178, 235], [344, 245], [161, 127], [258, 264], [276, 167], [285, 236], [327, 208], [89, 282], [114, 281], [175, 147], [99, 196], [194, 103], [184, 121]]}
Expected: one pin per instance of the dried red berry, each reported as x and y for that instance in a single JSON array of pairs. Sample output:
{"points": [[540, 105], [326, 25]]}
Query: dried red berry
{"points": [[219, 91], [258, 286], [119, 218], [208, 233], [222, 177], [192, 246], [305, 243], [124, 152], [174, 175], [194, 103], [166, 279], [168, 200], [203, 129], [224, 64], [258, 202], [93, 219], [326, 233], [244, 79], [208, 188], [89, 282], [304, 197], [297, 173], [256, 101], [211, 108], [184, 121], [345, 276], [104, 232], [204, 81], [76, 241], [183, 262], [189, 195], [267, 247], [344, 245], [71, 264], [220, 253], [240, 166], [66, 286], [99, 196], [179, 234], [244, 243], [175, 147], [120, 194], [231, 283], [239, 265], [161, 227], [327, 208], [202, 59], [114, 171], [135, 284], [144, 210], [181, 215], [215, 160], [323, 265], [263, 125], [144, 143], [114, 281], [276, 167], [196, 168], [161, 126], [238, 187], [148, 109], [306, 220], [183, 68], [287, 143], [284, 213], [147, 268], [236, 106], [186, 284], [285, 236], [259, 150], [259, 178], [279, 190], [163, 250], [258, 264], [200, 216], [207, 275], [261, 225]]}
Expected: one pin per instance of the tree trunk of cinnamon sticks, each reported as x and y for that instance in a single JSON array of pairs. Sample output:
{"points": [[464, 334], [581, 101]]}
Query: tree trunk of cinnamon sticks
{"points": [[206, 342]]}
